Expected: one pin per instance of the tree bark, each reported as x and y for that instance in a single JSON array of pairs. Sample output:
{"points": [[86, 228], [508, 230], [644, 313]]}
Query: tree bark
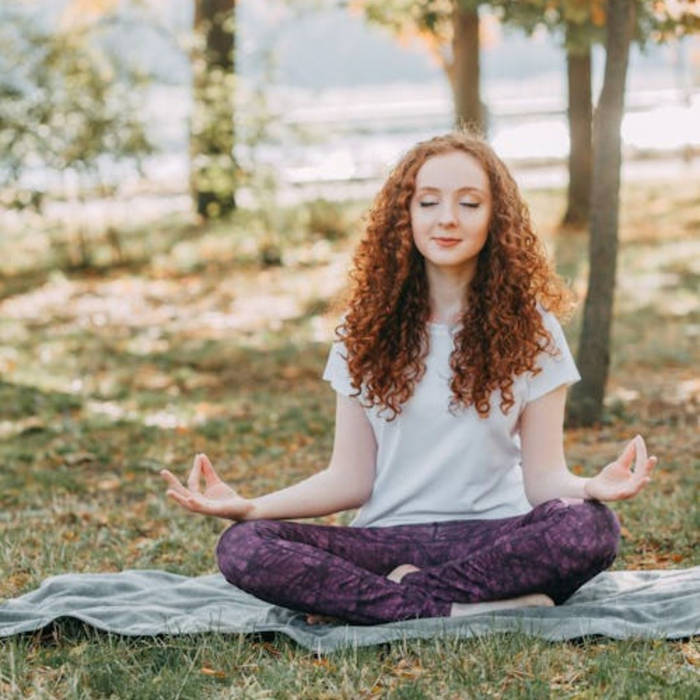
{"points": [[212, 166], [580, 114], [466, 69], [593, 358]]}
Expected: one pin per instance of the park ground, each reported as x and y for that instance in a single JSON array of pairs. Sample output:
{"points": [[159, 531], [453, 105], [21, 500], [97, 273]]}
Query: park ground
{"points": [[150, 344]]}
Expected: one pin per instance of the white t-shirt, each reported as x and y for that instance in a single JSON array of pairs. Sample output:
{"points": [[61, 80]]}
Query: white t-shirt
{"points": [[433, 466]]}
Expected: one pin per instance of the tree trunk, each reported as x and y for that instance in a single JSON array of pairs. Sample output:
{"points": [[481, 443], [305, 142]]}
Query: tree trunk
{"points": [[594, 349], [580, 114], [212, 166], [465, 71]]}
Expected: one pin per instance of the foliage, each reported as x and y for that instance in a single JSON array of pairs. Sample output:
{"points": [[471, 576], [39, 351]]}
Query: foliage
{"points": [[65, 103], [430, 20], [213, 173], [585, 21]]}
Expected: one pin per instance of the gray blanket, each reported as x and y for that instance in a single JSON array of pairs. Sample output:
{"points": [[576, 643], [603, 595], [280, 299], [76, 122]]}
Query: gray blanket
{"points": [[662, 604]]}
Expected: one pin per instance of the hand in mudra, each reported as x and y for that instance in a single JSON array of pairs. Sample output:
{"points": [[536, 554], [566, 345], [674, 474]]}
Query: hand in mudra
{"points": [[617, 481], [216, 499]]}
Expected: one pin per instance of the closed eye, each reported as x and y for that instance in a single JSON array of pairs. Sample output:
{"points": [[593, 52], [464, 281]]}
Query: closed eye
{"points": [[471, 205], [428, 204]]}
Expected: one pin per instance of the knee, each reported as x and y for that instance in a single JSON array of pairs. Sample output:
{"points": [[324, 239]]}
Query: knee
{"points": [[597, 533], [236, 548]]}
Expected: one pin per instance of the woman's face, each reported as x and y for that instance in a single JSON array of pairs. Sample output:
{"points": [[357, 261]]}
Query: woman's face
{"points": [[450, 211]]}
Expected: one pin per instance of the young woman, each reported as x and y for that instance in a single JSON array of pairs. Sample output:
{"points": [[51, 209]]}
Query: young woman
{"points": [[451, 371]]}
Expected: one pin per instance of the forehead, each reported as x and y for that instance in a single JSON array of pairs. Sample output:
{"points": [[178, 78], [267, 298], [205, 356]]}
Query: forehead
{"points": [[452, 171]]}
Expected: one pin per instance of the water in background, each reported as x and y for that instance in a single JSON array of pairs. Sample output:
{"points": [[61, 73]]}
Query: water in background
{"points": [[356, 134]]}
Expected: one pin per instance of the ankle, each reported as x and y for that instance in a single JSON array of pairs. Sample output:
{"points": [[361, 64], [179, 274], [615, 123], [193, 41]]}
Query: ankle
{"points": [[400, 571]]}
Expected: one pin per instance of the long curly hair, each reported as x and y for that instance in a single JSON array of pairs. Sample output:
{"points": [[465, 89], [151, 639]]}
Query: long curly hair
{"points": [[501, 332]]}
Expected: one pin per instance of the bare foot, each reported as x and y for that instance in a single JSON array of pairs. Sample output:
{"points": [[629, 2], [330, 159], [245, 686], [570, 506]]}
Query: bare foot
{"points": [[400, 571], [525, 601], [321, 619]]}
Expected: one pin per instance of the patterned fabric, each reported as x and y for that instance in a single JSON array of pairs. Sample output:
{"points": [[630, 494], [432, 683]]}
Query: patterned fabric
{"points": [[341, 571]]}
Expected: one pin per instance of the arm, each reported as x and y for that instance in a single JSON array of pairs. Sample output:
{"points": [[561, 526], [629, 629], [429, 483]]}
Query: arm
{"points": [[545, 472], [346, 483]]}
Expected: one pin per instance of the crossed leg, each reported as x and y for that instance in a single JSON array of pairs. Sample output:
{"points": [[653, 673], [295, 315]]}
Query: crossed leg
{"points": [[347, 572]]}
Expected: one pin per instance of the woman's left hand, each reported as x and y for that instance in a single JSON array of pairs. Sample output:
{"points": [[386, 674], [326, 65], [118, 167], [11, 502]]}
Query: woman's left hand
{"points": [[617, 481]]}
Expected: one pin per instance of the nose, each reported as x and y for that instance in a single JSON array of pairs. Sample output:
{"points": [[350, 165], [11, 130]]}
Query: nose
{"points": [[447, 217]]}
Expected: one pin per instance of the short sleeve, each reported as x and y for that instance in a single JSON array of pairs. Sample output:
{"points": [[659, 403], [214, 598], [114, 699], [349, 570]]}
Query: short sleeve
{"points": [[336, 371], [557, 370]]}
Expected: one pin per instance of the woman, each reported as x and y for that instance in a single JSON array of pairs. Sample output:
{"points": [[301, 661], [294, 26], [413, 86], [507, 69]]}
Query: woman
{"points": [[451, 371]]}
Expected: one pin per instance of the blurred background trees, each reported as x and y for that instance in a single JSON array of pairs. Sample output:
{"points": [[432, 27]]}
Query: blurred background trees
{"points": [[213, 168], [66, 105], [88, 91]]}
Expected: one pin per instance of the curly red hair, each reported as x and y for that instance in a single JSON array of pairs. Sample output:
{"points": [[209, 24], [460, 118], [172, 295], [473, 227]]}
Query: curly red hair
{"points": [[384, 329]]}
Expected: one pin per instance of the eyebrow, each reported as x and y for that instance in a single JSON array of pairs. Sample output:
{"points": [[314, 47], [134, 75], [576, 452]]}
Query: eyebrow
{"points": [[460, 189]]}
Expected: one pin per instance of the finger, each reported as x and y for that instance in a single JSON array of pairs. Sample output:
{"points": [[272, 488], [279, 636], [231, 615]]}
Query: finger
{"points": [[642, 473], [195, 475], [210, 476], [651, 463], [625, 459], [173, 481], [186, 501], [648, 468], [198, 504], [641, 454]]}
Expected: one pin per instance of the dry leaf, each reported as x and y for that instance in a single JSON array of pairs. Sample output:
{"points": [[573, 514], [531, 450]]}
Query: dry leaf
{"points": [[108, 484], [690, 653], [79, 458], [211, 672]]}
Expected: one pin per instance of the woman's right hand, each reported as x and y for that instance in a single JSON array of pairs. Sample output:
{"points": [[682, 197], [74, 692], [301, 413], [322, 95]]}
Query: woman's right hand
{"points": [[216, 499]]}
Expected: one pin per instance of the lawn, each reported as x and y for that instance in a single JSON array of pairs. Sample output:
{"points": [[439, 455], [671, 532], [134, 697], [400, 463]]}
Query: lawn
{"points": [[178, 338]]}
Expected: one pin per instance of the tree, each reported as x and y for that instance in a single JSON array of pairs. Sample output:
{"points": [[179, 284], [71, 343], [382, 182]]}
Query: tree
{"points": [[212, 165], [450, 29], [581, 24], [66, 103], [593, 357], [466, 78], [586, 405], [580, 116]]}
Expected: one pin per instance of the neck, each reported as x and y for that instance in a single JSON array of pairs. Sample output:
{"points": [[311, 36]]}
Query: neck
{"points": [[448, 292]]}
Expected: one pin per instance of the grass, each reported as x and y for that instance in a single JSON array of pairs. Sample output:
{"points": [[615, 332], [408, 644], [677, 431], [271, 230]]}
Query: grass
{"points": [[189, 343]]}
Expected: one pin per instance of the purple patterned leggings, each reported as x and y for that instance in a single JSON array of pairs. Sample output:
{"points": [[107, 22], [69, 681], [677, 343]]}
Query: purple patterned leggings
{"points": [[341, 571]]}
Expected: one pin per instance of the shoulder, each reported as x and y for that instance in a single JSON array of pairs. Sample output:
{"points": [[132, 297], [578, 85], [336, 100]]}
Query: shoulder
{"points": [[555, 364], [552, 325]]}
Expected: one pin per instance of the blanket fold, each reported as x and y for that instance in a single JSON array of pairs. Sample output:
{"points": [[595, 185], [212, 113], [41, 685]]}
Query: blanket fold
{"points": [[660, 604]]}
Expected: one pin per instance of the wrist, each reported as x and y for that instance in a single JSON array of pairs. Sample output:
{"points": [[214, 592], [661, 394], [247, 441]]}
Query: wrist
{"points": [[587, 494], [249, 511]]}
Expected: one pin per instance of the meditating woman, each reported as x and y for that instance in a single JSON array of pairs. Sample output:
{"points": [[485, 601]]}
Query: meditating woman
{"points": [[451, 371]]}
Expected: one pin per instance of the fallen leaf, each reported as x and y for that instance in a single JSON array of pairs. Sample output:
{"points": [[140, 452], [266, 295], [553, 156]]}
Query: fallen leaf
{"points": [[108, 484], [271, 649], [79, 458], [408, 668], [690, 653], [211, 672]]}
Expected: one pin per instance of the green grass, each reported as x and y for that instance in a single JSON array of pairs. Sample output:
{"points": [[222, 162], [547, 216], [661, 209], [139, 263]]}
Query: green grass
{"points": [[190, 344]]}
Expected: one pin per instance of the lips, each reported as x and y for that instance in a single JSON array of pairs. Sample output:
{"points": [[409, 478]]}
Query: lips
{"points": [[447, 242]]}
